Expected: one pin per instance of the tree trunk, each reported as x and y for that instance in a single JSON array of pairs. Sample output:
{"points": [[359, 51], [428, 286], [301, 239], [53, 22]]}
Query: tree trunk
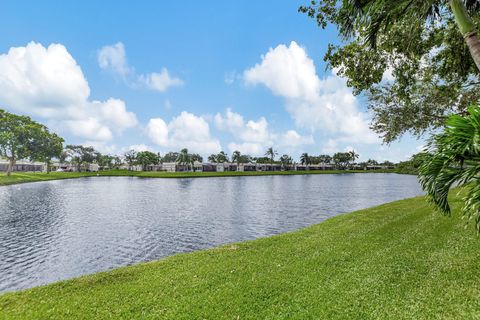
{"points": [[467, 28], [11, 163]]}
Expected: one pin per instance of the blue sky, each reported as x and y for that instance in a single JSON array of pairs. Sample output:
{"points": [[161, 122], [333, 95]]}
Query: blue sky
{"points": [[204, 75]]}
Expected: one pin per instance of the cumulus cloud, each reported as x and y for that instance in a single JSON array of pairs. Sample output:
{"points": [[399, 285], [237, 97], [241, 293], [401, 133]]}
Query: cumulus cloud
{"points": [[114, 58], [253, 137], [48, 83], [315, 104], [184, 131], [160, 81]]}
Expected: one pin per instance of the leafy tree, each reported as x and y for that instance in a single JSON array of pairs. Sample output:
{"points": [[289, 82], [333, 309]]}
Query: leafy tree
{"points": [[147, 158], [418, 44], [286, 161], [271, 154], [131, 158], [80, 155], [412, 166], [353, 156], [170, 157], [46, 146], [305, 159], [236, 157], [262, 159], [325, 159], [212, 158], [184, 158], [222, 157], [196, 157], [453, 160], [342, 159], [19, 138]]}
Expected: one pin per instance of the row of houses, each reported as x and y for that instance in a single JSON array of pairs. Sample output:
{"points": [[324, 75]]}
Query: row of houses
{"points": [[176, 167], [242, 167]]}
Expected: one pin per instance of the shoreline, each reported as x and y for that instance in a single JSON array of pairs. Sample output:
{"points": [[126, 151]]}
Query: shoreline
{"points": [[27, 177]]}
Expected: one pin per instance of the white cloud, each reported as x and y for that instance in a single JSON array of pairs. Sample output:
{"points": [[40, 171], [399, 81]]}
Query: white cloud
{"points": [[139, 148], [48, 83], [184, 131], [114, 58], [316, 104], [254, 137], [160, 81], [292, 139]]}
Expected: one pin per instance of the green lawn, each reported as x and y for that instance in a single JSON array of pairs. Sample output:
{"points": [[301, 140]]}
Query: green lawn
{"points": [[22, 177], [396, 261]]}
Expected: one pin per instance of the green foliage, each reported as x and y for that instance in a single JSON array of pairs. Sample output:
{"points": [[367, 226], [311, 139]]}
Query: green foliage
{"points": [[454, 160], [412, 166], [147, 158], [418, 43], [271, 154], [342, 159], [81, 155], [23, 138]]}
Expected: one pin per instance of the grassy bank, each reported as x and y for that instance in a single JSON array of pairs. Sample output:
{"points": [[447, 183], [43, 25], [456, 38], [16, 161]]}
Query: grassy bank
{"points": [[22, 177], [395, 261]]}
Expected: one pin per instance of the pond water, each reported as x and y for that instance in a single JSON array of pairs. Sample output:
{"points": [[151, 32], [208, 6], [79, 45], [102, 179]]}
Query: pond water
{"points": [[56, 230]]}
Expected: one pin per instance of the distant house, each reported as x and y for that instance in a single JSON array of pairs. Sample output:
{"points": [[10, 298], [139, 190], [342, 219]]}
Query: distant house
{"points": [[23, 166]]}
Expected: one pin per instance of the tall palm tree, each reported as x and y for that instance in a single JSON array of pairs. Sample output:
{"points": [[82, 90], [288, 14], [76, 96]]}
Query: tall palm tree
{"points": [[271, 154], [236, 157], [184, 158], [305, 159], [379, 15], [353, 156], [454, 160]]}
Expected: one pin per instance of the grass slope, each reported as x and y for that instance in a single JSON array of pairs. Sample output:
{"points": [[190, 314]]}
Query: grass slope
{"points": [[395, 261], [22, 177]]}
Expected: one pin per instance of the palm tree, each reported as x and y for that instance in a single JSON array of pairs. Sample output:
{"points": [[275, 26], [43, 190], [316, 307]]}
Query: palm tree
{"points": [[454, 160], [212, 158], [237, 157], [353, 156], [184, 158], [305, 159], [286, 161], [271, 154], [379, 15]]}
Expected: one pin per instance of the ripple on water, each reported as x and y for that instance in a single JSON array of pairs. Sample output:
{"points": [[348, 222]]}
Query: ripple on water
{"points": [[61, 229]]}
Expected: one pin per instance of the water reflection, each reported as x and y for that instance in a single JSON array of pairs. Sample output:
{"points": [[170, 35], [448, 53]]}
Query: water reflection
{"points": [[61, 229]]}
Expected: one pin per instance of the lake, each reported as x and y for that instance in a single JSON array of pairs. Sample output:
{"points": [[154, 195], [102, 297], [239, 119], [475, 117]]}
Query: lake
{"points": [[57, 230]]}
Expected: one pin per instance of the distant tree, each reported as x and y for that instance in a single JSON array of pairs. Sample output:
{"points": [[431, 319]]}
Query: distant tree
{"points": [[196, 157], [341, 159], [80, 155], [131, 158], [147, 158], [117, 161], [20, 138], [222, 157], [212, 158], [305, 159], [286, 161], [271, 154], [170, 157], [46, 146], [325, 159], [353, 156], [236, 157], [262, 160], [184, 158]]}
